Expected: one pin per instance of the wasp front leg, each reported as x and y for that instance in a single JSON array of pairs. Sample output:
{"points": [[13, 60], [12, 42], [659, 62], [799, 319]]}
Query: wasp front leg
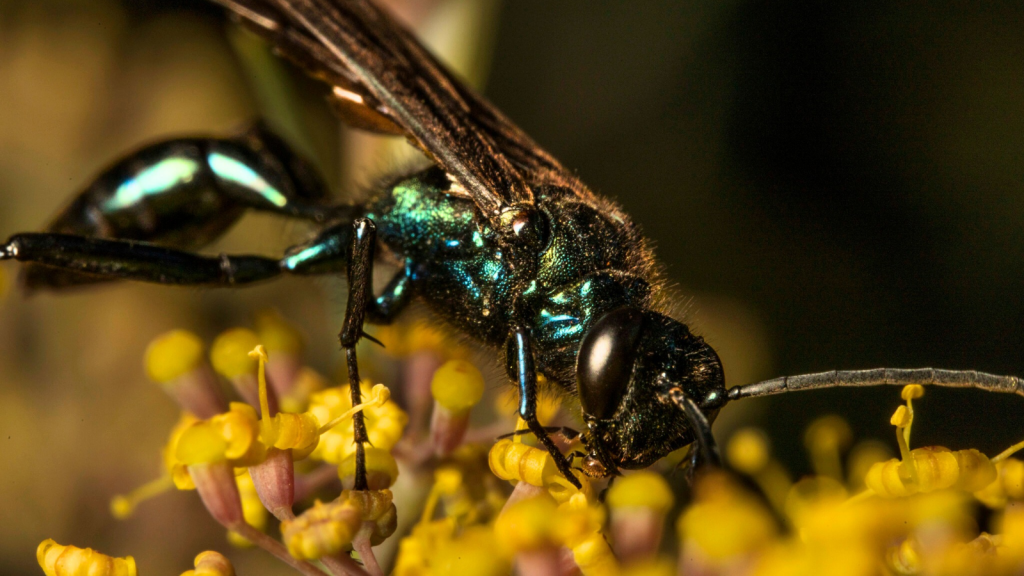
{"points": [[707, 448], [526, 376]]}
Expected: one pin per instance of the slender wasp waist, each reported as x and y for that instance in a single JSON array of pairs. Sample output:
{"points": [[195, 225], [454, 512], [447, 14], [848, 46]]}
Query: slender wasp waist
{"points": [[591, 261]]}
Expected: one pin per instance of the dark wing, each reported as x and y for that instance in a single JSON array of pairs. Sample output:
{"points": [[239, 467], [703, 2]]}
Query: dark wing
{"points": [[386, 81]]}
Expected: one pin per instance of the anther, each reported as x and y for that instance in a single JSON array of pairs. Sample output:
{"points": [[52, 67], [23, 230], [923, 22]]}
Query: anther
{"points": [[57, 560], [210, 563]]}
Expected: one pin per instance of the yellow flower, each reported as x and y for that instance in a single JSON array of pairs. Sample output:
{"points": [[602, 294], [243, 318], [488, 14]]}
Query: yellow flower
{"points": [[457, 386], [472, 552], [229, 353], [527, 525], [211, 563], [514, 461], [172, 355], [232, 436], [926, 469], [57, 560], [724, 521], [326, 529], [644, 489]]}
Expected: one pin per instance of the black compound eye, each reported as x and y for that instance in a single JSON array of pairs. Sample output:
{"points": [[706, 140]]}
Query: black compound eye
{"points": [[605, 361]]}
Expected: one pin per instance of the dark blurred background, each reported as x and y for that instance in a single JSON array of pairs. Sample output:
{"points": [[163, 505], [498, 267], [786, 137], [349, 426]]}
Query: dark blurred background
{"points": [[830, 185]]}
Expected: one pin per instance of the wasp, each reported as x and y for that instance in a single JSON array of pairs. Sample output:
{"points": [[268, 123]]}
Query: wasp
{"points": [[499, 239]]}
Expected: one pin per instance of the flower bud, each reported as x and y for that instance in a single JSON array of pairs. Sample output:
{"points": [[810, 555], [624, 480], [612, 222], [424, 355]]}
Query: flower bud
{"points": [[527, 525], [175, 360], [722, 524], [525, 531], [457, 386], [515, 461], [57, 560], [211, 563], [230, 358], [323, 530], [232, 436], [638, 504], [824, 439]]}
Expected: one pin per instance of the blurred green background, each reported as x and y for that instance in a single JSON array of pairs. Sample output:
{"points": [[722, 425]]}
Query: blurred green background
{"points": [[829, 185]]}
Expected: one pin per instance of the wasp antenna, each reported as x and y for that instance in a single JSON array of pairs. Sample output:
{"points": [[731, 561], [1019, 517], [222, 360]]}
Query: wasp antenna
{"points": [[881, 377]]}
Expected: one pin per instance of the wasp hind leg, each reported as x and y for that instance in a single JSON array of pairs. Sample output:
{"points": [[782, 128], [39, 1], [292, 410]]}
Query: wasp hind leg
{"points": [[182, 194], [101, 259]]}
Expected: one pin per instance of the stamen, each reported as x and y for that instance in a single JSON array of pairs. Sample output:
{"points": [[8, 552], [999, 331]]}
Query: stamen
{"points": [[446, 481], [1008, 452], [267, 427], [378, 396], [123, 506], [902, 419]]}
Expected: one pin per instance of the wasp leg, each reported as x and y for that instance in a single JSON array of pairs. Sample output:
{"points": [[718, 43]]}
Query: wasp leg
{"points": [[707, 447], [102, 259], [184, 193], [527, 380], [133, 260], [360, 295]]}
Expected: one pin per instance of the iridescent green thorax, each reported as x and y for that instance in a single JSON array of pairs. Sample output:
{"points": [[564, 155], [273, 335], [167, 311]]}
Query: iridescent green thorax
{"points": [[591, 263]]}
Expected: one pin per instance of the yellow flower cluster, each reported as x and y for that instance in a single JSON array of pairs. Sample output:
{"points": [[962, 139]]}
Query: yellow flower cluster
{"points": [[914, 517], [495, 506]]}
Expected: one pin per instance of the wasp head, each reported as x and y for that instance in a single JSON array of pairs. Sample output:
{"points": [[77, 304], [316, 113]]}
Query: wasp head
{"points": [[628, 363]]}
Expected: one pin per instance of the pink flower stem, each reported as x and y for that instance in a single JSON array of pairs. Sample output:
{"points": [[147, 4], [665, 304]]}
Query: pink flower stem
{"points": [[362, 545], [342, 564]]}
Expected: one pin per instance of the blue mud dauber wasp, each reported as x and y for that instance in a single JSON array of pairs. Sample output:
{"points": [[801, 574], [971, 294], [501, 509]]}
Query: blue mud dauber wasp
{"points": [[497, 237]]}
